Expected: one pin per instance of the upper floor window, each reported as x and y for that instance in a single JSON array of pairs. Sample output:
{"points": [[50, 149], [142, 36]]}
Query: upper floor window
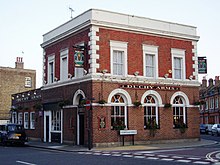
{"points": [[150, 59], [216, 102], [211, 103], [51, 66], [64, 65], [118, 58], [20, 118], [178, 64], [28, 82]]}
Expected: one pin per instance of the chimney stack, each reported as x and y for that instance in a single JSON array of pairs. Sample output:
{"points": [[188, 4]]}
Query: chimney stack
{"points": [[19, 63], [204, 82], [210, 82], [216, 80]]}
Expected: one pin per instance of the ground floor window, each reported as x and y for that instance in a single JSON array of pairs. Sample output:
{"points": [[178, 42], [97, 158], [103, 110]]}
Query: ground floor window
{"points": [[118, 113], [150, 113], [179, 113], [26, 120], [56, 120], [32, 120], [20, 118]]}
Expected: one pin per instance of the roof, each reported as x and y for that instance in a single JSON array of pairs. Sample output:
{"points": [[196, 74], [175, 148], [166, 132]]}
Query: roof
{"points": [[121, 21]]}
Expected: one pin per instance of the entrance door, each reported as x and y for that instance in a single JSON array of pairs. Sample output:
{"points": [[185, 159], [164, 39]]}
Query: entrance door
{"points": [[81, 130]]}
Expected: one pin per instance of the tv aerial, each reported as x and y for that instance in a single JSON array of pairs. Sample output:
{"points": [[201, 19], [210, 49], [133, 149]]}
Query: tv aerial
{"points": [[71, 12]]}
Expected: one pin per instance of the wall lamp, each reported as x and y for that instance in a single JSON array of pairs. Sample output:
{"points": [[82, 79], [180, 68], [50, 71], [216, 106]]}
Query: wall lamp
{"points": [[166, 75], [136, 73]]}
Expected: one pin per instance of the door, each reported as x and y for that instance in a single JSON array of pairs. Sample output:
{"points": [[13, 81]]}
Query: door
{"points": [[81, 130]]}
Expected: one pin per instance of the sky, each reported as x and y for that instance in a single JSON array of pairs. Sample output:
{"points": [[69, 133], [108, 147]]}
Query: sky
{"points": [[24, 22]]}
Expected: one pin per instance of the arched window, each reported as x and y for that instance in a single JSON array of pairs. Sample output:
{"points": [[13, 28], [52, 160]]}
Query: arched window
{"points": [[150, 112], [179, 112], [118, 113]]}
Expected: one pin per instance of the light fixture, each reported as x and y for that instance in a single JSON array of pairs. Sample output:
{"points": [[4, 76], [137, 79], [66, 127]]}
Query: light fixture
{"points": [[191, 77], [104, 71], [55, 79], [136, 73], [70, 75], [85, 72], [166, 75]]}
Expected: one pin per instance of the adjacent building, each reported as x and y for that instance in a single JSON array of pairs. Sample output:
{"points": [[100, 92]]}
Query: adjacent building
{"points": [[209, 97], [14, 80], [106, 71]]}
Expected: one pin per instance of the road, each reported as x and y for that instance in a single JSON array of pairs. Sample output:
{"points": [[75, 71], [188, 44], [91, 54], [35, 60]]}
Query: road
{"points": [[31, 156]]}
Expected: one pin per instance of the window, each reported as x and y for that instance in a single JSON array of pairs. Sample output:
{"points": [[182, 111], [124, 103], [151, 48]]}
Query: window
{"points": [[211, 103], [118, 63], [150, 56], [56, 120], [179, 112], [32, 120], [118, 58], [20, 118], [28, 82], [26, 120], [150, 113], [51, 69], [14, 117], [178, 63], [216, 102], [118, 113], [64, 65]]}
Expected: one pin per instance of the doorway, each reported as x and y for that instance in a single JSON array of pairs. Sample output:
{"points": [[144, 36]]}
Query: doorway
{"points": [[81, 130]]}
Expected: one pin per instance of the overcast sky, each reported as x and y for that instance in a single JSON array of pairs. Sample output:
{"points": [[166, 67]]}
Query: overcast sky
{"points": [[23, 22]]}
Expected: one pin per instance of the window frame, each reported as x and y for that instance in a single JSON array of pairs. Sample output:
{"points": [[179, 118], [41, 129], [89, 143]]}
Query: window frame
{"points": [[28, 82], [32, 120], [178, 53], [20, 118], [118, 106], [51, 76], [150, 50], [64, 68], [26, 120], [121, 47], [179, 106], [56, 125], [155, 105]]}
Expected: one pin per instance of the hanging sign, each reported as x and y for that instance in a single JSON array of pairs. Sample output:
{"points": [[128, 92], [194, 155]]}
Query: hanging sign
{"points": [[202, 65]]}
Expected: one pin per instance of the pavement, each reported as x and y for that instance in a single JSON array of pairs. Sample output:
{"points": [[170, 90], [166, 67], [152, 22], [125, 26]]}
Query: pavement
{"points": [[147, 147]]}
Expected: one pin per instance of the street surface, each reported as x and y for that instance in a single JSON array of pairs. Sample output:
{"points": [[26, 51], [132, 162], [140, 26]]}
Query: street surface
{"points": [[15, 155]]}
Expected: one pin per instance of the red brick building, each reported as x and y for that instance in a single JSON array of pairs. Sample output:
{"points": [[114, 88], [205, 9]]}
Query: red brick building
{"points": [[136, 74], [209, 97]]}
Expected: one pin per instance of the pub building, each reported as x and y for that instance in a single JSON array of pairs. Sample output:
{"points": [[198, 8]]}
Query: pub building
{"points": [[114, 79]]}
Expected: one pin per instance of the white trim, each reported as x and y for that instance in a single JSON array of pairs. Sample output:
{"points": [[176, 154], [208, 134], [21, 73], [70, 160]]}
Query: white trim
{"points": [[150, 49], [51, 59], [185, 97], [47, 113], [123, 92], [180, 53], [155, 94], [26, 126], [119, 46]]}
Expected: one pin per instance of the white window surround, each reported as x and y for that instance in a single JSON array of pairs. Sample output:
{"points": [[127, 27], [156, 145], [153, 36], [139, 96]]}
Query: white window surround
{"points": [[51, 59], [26, 120], [153, 50], [119, 46], [179, 53], [32, 120], [64, 66]]}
